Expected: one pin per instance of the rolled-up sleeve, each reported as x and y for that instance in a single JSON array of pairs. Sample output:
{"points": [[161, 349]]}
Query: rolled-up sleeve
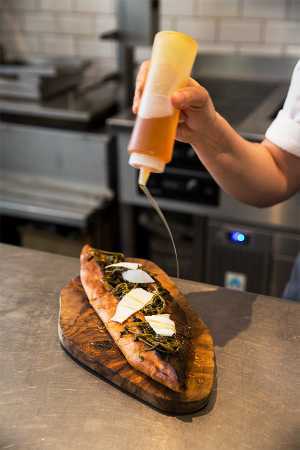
{"points": [[284, 131]]}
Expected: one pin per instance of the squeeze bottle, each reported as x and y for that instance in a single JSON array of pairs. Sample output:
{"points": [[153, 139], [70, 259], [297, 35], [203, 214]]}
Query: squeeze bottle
{"points": [[152, 140]]}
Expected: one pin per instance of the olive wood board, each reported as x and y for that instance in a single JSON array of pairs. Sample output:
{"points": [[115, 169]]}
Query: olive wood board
{"points": [[84, 336]]}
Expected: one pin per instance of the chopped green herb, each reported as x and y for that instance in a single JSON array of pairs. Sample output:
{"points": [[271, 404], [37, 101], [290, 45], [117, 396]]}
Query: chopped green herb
{"points": [[138, 327], [106, 258], [156, 306], [144, 333]]}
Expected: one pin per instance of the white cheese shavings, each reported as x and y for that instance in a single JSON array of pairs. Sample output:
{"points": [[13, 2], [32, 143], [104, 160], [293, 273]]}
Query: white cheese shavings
{"points": [[126, 265], [132, 302], [161, 324], [137, 276]]}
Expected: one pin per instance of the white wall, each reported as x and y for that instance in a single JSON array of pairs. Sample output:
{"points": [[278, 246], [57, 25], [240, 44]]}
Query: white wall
{"points": [[71, 27]]}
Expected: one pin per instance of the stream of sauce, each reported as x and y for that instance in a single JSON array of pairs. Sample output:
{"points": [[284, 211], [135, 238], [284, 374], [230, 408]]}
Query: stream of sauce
{"points": [[156, 207]]}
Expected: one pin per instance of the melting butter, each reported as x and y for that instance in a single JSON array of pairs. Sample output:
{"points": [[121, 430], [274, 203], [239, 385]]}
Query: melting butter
{"points": [[156, 207], [131, 303], [162, 324]]}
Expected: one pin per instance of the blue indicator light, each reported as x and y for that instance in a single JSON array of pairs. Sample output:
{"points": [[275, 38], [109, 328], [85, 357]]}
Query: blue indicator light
{"points": [[237, 237]]}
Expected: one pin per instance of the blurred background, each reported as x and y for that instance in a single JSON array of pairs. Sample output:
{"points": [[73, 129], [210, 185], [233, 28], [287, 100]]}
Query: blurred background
{"points": [[67, 70]]}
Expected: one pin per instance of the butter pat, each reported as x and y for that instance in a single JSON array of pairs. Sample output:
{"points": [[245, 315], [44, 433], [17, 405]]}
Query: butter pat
{"points": [[131, 303], [126, 265], [137, 276], [161, 324]]}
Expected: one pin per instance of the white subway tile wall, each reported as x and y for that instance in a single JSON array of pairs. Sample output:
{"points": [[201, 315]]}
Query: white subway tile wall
{"points": [[293, 10], [22, 5], [258, 49], [264, 8], [106, 23], [218, 8], [293, 50], [95, 6], [57, 5], [177, 7], [23, 46], [200, 29], [240, 30], [9, 23], [96, 49], [217, 48], [72, 27], [283, 32], [142, 53], [40, 22], [57, 45], [76, 24], [167, 22]]}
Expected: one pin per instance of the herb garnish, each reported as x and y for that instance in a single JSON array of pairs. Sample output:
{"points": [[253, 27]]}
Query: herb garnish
{"points": [[137, 326], [105, 258], [144, 333]]}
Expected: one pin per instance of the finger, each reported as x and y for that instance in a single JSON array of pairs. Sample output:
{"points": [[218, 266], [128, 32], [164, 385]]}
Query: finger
{"points": [[182, 133], [142, 73], [194, 97], [139, 85], [192, 83], [182, 117]]}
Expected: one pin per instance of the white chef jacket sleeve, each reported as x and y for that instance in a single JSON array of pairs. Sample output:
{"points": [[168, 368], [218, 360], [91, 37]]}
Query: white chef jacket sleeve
{"points": [[284, 131]]}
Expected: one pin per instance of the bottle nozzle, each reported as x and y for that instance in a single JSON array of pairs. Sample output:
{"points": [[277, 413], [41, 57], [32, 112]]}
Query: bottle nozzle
{"points": [[144, 176]]}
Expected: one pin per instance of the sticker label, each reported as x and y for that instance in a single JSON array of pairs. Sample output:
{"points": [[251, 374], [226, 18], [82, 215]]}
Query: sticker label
{"points": [[235, 280], [153, 106]]}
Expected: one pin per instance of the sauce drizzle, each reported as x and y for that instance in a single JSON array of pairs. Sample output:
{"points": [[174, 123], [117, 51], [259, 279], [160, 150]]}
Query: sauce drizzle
{"points": [[156, 207]]}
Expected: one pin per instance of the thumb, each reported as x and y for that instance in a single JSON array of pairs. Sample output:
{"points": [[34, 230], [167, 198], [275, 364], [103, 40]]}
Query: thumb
{"points": [[190, 97]]}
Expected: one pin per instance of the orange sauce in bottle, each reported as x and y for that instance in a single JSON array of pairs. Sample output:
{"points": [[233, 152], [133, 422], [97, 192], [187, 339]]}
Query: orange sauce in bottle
{"points": [[152, 140], [154, 136]]}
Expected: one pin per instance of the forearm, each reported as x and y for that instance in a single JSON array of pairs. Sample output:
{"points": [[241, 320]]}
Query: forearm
{"points": [[258, 174], [245, 170]]}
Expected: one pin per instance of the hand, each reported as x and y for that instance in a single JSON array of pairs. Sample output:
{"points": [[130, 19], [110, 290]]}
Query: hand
{"points": [[197, 112]]}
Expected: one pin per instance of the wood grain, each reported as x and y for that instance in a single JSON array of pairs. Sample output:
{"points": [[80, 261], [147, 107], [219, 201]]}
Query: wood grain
{"points": [[84, 336]]}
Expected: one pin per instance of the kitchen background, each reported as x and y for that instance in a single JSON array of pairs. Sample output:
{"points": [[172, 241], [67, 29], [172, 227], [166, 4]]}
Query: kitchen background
{"points": [[71, 27], [65, 125]]}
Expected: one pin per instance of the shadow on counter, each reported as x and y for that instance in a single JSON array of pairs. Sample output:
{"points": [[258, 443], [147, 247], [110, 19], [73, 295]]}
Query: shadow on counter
{"points": [[225, 312], [226, 315]]}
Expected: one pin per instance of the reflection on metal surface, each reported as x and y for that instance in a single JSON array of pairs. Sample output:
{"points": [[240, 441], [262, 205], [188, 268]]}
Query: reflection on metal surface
{"points": [[48, 175]]}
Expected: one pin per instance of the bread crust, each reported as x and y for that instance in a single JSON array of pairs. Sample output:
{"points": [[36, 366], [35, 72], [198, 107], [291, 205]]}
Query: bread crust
{"points": [[105, 303]]}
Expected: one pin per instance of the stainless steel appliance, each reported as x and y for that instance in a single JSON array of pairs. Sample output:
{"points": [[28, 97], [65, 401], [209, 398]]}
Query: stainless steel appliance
{"points": [[151, 240], [285, 248], [38, 79], [54, 180], [249, 258], [58, 179], [67, 178], [69, 94], [239, 257], [55, 185]]}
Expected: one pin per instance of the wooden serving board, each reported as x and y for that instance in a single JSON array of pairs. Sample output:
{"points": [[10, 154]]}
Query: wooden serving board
{"points": [[84, 336]]}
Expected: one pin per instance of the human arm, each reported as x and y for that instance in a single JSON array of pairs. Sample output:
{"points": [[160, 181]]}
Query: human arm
{"points": [[260, 174]]}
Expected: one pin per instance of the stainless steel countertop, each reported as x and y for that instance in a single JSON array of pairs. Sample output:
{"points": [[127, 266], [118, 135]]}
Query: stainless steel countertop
{"points": [[50, 402]]}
